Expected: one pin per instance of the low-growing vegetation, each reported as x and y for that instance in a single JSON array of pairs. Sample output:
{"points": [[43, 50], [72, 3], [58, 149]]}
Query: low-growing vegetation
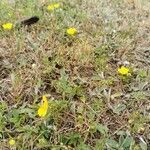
{"points": [[78, 79]]}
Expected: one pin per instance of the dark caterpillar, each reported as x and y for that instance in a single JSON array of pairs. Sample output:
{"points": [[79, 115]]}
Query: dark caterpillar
{"points": [[29, 21]]}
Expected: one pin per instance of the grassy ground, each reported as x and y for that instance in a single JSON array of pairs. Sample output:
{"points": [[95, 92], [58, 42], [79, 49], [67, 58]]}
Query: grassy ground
{"points": [[91, 106]]}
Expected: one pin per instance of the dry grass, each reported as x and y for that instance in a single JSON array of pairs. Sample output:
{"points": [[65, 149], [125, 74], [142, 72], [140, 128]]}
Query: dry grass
{"points": [[91, 106]]}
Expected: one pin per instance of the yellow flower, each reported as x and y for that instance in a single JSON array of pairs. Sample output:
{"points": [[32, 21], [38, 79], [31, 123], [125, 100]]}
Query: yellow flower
{"points": [[123, 70], [7, 26], [42, 111], [12, 142], [56, 5], [71, 31], [53, 6]]}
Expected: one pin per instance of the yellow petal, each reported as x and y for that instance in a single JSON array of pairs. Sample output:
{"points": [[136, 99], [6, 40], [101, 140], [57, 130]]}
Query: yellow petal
{"points": [[45, 102], [53, 6], [71, 31], [7, 26], [56, 5], [50, 7], [12, 142], [123, 70], [42, 111]]}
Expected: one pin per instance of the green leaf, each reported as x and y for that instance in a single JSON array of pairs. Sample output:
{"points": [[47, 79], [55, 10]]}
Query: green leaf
{"points": [[127, 142], [100, 144], [71, 139], [102, 129], [119, 108], [83, 146], [112, 144], [14, 117], [28, 111]]}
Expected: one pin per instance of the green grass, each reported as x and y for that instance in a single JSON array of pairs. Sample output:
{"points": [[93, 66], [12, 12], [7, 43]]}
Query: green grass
{"points": [[91, 106]]}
